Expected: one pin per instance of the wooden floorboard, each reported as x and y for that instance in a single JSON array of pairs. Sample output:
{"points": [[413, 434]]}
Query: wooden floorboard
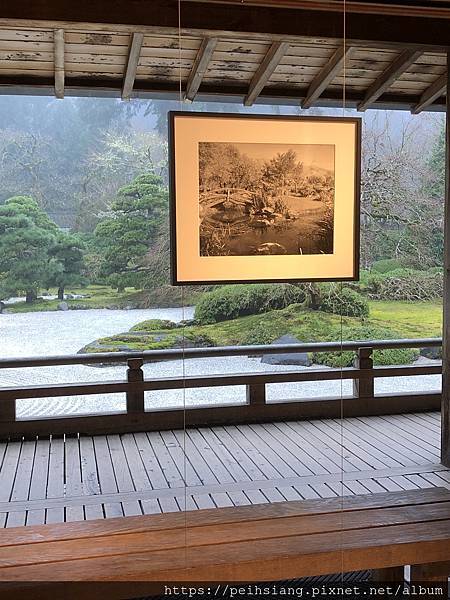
{"points": [[77, 478]]}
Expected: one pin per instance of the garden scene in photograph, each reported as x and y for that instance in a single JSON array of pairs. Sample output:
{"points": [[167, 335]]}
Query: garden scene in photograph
{"points": [[259, 199]]}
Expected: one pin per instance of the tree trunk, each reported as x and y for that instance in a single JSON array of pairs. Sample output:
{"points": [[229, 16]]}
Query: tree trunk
{"points": [[120, 289], [314, 296], [61, 292], [31, 296]]}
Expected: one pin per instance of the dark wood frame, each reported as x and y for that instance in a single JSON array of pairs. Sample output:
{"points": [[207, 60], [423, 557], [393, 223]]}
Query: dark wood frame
{"points": [[255, 409], [172, 115]]}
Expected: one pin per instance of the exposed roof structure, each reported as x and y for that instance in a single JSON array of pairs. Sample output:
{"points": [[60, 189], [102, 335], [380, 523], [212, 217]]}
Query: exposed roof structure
{"points": [[254, 56]]}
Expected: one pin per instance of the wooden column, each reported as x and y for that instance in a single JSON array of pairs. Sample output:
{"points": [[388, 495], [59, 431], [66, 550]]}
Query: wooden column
{"points": [[135, 397], [256, 394], [445, 428], [364, 387]]}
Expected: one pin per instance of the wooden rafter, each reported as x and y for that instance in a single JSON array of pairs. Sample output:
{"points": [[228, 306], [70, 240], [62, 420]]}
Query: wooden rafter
{"points": [[58, 41], [265, 70], [200, 67], [132, 64], [326, 75], [387, 78], [435, 91]]}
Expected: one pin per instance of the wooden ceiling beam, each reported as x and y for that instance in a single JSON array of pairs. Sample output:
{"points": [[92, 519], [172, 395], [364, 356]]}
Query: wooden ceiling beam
{"points": [[264, 72], [132, 64], [58, 41], [200, 67], [166, 90], [435, 91], [201, 16], [323, 79], [401, 64], [388, 7]]}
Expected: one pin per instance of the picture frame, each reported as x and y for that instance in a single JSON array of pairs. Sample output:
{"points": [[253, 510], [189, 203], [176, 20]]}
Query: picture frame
{"points": [[263, 198]]}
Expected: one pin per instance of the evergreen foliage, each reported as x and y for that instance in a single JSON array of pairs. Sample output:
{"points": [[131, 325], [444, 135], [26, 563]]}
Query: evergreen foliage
{"points": [[125, 237]]}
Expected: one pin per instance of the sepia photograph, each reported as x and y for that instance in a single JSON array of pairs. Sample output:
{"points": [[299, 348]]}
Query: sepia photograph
{"points": [[263, 198], [259, 199]]}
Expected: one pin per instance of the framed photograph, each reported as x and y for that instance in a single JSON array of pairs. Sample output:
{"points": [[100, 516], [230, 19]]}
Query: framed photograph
{"points": [[259, 198]]}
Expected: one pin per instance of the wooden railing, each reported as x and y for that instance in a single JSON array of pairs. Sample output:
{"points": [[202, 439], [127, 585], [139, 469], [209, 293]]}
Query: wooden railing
{"points": [[364, 401]]}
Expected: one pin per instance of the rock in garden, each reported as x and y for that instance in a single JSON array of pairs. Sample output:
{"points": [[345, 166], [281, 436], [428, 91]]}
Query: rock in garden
{"points": [[297, 358], [63, 306]]}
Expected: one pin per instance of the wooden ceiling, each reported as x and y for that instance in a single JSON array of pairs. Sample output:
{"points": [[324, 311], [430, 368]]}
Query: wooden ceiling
{"points": [[101, 58]]}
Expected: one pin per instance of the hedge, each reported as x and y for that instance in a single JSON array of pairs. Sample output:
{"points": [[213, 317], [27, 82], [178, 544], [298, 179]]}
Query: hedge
{"points": [[232, 301]]}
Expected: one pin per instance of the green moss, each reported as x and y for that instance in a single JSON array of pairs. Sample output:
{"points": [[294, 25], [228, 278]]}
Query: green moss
{"points": [[154, 325]]}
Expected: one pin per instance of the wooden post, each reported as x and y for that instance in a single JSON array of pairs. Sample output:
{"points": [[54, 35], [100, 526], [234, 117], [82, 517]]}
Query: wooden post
{"points": [[135, 374], [8, 411], [445, 409], [364, 387], [256, 394]]}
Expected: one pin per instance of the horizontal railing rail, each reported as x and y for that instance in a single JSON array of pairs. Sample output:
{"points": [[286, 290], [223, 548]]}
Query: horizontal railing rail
{"points": [[221, 351], [255, 408]]}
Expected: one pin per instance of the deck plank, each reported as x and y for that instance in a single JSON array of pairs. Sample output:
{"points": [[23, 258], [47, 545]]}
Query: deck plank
{"points": [[150, 461], [122, 474], [89, 475], [74, 485], [21, 488], [107, 480], [55, 486]]}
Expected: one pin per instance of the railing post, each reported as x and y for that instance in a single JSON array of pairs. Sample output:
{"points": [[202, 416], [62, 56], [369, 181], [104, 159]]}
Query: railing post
{"points": [[256, 394], [8, 410], [364, 387], [135, 397]]}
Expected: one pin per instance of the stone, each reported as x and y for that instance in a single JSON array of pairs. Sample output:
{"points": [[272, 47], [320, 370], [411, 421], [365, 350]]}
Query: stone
{"points": [[63, 306], [434, 353], [298, 358]]}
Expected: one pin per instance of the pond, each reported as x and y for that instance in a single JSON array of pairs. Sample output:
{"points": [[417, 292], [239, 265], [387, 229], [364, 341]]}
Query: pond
{"points": [[295, 230]]}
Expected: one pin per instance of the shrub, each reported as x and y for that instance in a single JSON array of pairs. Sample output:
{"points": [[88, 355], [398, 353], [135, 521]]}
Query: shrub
{"points": [[232, 301], [396, 356], [344, 301], [369, 284], [386, 265], [410, 285]]}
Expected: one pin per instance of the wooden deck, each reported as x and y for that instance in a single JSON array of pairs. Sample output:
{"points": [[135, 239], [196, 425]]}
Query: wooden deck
{"points": [[55, 480]]}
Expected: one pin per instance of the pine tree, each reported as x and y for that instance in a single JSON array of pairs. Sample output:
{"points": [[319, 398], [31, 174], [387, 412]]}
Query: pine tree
{"points": [[26, 236], [125, 237]]}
